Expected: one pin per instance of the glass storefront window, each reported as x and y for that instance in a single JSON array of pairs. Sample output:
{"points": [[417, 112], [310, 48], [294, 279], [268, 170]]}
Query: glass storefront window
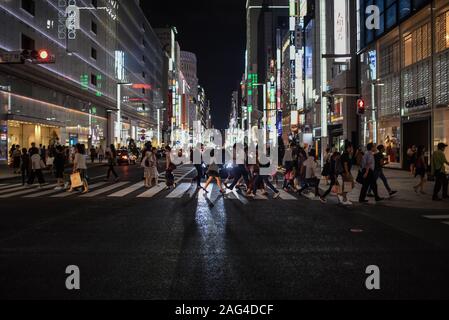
{"points": [[405, 8], [442, 32], [391, 16]]}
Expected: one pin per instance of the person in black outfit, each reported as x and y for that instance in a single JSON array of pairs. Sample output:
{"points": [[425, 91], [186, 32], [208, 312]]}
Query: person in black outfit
{"points": [[25, 165], [59, 164], [112, 161]]}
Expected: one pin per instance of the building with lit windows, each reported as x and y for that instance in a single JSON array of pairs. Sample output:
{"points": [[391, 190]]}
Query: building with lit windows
{"points": [[189, 70], [404, 75], [75, 99]]}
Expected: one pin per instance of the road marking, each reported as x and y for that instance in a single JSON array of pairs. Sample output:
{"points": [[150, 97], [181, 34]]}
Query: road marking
{"points": [[442, 217], [6, 186], [20, 188], [179, 190], [260, 197], [104, 190], [128, 190], [152, 192], [30, 190], [7, 190], [234, 195], [286, 196], [68, 194]]}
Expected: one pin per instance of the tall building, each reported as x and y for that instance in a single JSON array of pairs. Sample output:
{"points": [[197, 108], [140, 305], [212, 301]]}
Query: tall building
{"points": [[75, 99], [264, 17], [189, 70], [403, 70]]}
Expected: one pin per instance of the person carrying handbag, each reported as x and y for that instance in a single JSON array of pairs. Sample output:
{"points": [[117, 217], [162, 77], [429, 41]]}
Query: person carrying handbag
{"points": [[80, 166]]}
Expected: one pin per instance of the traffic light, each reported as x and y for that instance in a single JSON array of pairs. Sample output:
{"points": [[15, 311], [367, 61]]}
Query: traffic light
{"points": [[361, 106], [42, 56], [330, 103]]}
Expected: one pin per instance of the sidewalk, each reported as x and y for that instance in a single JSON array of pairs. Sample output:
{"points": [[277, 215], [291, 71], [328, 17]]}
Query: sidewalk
{"points": [[7, 173], [403, 182]]}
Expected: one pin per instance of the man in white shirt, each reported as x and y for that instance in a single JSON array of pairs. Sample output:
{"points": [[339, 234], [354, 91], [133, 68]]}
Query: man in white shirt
{"points": [[308, 170]]}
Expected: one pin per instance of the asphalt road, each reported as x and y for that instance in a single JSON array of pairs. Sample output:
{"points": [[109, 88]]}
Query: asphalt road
{"points": [[185, 245]]}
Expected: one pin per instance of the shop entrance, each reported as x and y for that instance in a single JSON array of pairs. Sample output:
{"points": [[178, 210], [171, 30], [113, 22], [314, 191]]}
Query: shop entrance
{"points": [[416, 132]]}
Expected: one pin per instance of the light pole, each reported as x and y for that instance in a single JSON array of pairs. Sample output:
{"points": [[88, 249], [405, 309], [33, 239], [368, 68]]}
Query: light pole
{"points": [[374, 84], [119, 108], [264, 86]]}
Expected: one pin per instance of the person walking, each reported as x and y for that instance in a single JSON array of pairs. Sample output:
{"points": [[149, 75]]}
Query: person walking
{"points": [[411, 158], [439, 172], [213, 174], [112, 162], [16, 155], [100, 154], [198, 166], [37, 165], [368, 166], [150, 168], [59, 164], [240, 170], [169, 168], [93, 154], [79, 165], [380, 162], [347, 162], [420, 169], [262, 178], [25, 165]]}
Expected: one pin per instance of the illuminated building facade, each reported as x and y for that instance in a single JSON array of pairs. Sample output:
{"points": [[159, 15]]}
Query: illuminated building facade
{"points": [[75, 99], [404, 67]]}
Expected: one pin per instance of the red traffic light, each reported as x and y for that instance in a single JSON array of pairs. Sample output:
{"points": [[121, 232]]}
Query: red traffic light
{"points": [[360, 106], [43, 54]]}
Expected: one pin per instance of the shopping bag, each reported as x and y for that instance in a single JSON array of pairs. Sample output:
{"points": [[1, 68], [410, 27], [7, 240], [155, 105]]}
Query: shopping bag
{"points": [[348, 186], [42, 164], [336, 189], [50, 161], [75, 180]]}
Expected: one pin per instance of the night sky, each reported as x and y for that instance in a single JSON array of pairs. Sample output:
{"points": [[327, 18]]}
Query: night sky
{"points": [[215, 31]]}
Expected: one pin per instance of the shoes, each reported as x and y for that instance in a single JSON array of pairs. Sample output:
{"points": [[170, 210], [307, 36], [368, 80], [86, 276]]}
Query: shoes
{"points": [[416, 189], [276, 195], [117, 179], [392, 193], [58, 188], [323, 200], [379, 199], [370, 195], [340, 198], [250, 195], [347, 203]]}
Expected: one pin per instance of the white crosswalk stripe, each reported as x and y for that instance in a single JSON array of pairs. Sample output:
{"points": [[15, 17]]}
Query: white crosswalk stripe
{"points": [[438, 218], [23, 192], [9, 190], [68, 194], [152, 192], [128, 190], [7, 186], [104, 190], [286, 196], [179, 190], [441, 217]]}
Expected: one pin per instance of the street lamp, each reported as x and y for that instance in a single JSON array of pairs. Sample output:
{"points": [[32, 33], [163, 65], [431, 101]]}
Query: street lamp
{"points": [[119, 107]]}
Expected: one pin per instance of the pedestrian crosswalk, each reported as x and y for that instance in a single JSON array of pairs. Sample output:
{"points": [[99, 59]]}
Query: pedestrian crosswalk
{"points": [[444, 219], [135, 190]]}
